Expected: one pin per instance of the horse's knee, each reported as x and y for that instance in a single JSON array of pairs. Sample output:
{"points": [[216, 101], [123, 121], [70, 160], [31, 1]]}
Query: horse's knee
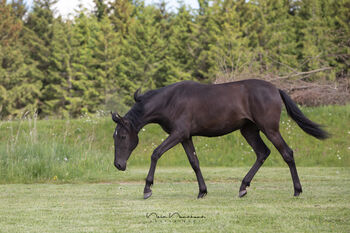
{"points": [[155, 155]]}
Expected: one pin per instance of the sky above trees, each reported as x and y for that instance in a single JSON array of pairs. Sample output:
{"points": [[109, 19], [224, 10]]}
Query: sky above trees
{"points": [[67, 7]]}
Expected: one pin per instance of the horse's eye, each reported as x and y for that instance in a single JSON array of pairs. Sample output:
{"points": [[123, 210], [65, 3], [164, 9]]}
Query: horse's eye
{"points": [[123, 136]]}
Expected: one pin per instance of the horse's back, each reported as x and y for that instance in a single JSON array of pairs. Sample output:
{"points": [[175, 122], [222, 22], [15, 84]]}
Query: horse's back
{"points": [[217, 109], [240, 94]]}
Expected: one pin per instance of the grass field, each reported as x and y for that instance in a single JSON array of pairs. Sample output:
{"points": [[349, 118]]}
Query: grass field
{"points": [[118, 207], [34, 150], [58, 176]]}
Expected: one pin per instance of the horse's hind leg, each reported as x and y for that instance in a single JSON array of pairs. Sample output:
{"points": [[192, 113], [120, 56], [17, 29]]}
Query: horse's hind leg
{"points": [[275, 137], [251, 133]]}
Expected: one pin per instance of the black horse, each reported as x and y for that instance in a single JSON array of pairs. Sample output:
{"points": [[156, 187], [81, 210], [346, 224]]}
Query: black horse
{"points": [[187, 109]]}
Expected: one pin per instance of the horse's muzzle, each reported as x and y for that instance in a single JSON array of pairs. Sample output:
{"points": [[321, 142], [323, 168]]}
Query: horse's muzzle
{"points": [[119, 166]]}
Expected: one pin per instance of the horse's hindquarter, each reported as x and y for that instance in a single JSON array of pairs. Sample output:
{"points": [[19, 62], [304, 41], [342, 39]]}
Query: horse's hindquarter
{"points": [[265, 104]]}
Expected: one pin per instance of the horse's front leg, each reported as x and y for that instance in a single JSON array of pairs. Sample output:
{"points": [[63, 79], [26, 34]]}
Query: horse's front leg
{"points": [[192, 157], [171, 141]]}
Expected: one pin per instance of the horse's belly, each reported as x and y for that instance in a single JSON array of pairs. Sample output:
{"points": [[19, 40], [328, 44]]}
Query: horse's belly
{"points": [[218, 129]]}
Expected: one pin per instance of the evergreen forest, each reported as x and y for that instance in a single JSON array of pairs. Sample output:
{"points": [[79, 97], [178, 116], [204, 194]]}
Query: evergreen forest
{"points": [[95, 60]]}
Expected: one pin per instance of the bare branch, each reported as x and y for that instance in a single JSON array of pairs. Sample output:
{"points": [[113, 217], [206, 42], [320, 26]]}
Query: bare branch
{"points": [[302, 73]]}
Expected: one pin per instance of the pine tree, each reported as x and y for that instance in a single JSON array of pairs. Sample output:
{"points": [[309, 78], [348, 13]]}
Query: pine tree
{"points": [[180, 47], [38, 37], [270, 28], [165, 70], [19, 90], [230, 52], [338, 19], [84, 96], [205, 31], [106, 57], [121, 15], [100, 9], [315, 36], [40, 22], [58, 90], [10, 24]]}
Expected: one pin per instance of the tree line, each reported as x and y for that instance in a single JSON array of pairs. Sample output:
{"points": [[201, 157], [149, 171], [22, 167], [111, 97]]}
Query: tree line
{"points": [[66, 67]]}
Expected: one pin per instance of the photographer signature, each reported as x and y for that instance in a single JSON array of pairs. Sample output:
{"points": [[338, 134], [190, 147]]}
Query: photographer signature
{"points": [[172, 215]]}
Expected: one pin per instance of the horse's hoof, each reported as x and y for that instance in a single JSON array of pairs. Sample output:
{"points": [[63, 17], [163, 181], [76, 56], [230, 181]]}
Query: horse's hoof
{"points": [[242, 193], [147, 195], [201, 195], [296, 194]]}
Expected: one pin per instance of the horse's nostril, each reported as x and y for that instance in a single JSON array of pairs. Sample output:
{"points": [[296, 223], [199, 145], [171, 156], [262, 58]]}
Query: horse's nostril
{"points": [[117, 165]]}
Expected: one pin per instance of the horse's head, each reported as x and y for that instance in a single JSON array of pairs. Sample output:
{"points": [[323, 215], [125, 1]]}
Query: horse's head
{"points": [[125, 141]]}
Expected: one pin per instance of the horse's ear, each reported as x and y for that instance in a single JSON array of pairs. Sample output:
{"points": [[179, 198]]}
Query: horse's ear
{"points": [[137, 95], [117, 118]]}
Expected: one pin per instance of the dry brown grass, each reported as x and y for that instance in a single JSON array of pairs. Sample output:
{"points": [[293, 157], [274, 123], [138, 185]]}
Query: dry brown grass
{"points": [[302, 91]]}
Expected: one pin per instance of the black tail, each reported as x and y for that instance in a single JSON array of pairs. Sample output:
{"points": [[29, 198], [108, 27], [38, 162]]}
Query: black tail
{"points": [[307, 125]]}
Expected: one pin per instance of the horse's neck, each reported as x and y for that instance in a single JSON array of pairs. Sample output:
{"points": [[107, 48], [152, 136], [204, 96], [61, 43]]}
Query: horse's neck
{"points": [[149, 114], [139, 117]]}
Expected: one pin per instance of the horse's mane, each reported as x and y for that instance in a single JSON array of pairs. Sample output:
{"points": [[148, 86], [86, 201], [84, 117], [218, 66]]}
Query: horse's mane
{"points": [[138, 97], [138, 109]]}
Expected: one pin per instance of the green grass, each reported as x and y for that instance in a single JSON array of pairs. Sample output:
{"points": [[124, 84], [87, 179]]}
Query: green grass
{"points": [[118, 207], [82, 149]]}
